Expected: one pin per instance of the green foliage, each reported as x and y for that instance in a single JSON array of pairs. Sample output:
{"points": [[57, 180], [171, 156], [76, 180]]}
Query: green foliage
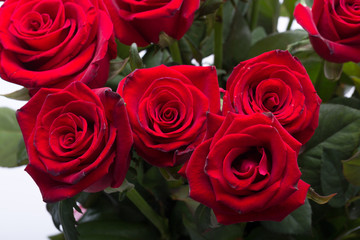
{"points": [[276, 41], [22, 94], [239, 35], [134, 58], [351, 169], [115, 230], [62, 213], [297, 222], [12, 147], [342, 135], [332, 178]]}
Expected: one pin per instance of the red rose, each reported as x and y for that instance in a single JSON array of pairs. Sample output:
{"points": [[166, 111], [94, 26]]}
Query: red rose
{"points": [[275, 82], [246, 169], [53, 43], [167, 109], [142, 21], [333, 27], [77, 139]]}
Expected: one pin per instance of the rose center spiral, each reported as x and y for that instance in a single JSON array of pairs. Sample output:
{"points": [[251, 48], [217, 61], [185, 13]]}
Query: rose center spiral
{"points": [[247, 161]]}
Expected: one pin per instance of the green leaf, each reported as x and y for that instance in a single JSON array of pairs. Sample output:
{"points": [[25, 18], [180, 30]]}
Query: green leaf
{"points": [[350, 102], [67, 220], [62, 213], [57, 237], [202, 217], [351, 169], [155, 56], [125, 186], [53, 209], [240, 36], [21, 94], [297, 222], [351, 69], [332, 71], [116, 230], [194, 50], [122, 49], [313, 195], [116, 67], [134, 57], [257, 34], [192, 229], [177, 228], [10, 139], [339, 129], [261, 233], [276, 41], [332, 178], [353, 208], [22, 157], [208, 7], [290, 6], [229, 232], [325, 88]]}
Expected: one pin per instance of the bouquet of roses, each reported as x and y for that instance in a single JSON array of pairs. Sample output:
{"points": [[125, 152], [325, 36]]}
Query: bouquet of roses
{"points": [[127, 128]]}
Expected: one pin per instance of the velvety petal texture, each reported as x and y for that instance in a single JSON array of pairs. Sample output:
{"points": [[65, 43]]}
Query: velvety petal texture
{"points": [[247, 169], [142, 21], [167, 109], [333, 27], [275, 82], [51, 43], [77, 139]]}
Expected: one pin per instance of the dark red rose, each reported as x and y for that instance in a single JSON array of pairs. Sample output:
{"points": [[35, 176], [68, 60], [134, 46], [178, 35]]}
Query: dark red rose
{"points": [[77, 139], [167, 109], [53, 43], [333, 27], [275, 82], [246, 169], [141, 21]]}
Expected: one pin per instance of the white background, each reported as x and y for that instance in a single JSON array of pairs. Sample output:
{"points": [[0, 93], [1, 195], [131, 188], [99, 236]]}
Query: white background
{"points": [[22, 212]]}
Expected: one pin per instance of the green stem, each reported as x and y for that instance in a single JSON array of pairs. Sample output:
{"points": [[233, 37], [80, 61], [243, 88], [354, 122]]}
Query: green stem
{"points": [[218, 38], [254, 13], [175, 52], [159, 222], [276, 14], [291, 20]]}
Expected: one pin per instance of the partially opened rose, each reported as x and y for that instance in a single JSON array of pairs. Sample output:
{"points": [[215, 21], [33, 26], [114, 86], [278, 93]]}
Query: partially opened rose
{"points": [[167, 109], [275, 82], [77, 139], [50, 44], [246, 169], [333, 27], [143, 21]]}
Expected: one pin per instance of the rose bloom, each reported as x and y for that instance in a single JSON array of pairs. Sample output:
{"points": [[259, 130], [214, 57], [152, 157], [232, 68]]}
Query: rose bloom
{"points": [[246, 169], [53, 43], [275, 82], [167, 109], [333, 27], [143, 21], [77, 139]]}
